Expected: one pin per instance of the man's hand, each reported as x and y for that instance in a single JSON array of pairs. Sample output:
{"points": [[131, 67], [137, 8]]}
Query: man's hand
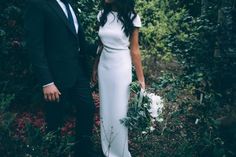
{"points": [[51, 93]]}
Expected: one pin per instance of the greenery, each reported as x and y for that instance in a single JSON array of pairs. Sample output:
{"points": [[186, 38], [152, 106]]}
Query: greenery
{"points": [[188, 50], [145, 110]]}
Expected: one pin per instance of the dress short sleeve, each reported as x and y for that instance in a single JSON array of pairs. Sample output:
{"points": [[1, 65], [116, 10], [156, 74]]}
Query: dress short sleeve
{"points": [[137, 21]]}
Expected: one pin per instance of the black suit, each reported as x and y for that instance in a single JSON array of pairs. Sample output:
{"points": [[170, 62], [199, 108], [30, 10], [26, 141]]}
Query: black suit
{"points": [[58, 55], [56, 50]]}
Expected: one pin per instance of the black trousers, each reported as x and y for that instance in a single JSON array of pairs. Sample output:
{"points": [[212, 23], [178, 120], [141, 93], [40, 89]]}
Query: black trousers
{"points": [[79, 97]]}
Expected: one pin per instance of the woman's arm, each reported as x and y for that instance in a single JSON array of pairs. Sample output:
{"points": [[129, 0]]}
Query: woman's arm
{"points": [[95, 65], [136, 57]]}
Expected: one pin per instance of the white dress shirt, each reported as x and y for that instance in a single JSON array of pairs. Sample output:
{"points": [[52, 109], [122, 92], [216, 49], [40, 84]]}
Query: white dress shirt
{"points": [[63, 7], [72, 12]]}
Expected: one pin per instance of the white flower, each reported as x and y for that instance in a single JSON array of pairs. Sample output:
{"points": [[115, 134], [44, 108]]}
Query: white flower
{"points": [[160, 119], [196, 121], [156, 105], [152, 128], [145, 105], [79, 10], [153, 120]]}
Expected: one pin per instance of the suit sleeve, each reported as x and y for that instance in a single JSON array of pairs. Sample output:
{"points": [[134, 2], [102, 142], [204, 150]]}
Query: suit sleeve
{"points": [[34, 29]]}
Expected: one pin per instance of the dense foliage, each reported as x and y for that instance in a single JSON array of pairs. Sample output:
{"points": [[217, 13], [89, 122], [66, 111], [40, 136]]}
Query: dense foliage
{"points": [[188, 49]]}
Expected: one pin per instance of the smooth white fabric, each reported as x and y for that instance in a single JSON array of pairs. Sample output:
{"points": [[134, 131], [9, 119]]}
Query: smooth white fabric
{"points": [[114, 78], [63, 7]]}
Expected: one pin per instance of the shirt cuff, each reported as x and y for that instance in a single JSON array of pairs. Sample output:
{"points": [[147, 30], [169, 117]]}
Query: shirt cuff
{"points": [[48, 84]]}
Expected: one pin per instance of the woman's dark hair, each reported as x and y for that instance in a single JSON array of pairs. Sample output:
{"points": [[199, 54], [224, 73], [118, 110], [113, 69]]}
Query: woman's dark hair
{"points": [[126, 14]]}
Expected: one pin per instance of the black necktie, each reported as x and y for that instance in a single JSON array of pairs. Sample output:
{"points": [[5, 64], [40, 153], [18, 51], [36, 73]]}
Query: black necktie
{"points": [[70, 17]]}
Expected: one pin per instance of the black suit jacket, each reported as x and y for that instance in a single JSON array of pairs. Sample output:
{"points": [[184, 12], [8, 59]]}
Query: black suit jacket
{"points": [[56, 51]]}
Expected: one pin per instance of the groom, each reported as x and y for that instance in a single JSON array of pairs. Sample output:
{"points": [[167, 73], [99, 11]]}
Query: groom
{"points": [[57, 48]]}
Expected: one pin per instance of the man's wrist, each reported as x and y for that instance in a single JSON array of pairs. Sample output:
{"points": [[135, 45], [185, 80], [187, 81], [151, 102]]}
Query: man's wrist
{"points": [[49, 84]]}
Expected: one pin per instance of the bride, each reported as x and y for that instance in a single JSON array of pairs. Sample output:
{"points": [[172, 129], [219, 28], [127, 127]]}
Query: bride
{"points": [[119, 48]]}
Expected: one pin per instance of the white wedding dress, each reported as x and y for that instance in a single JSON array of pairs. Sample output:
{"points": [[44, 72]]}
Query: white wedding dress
{"points": [[114, 78]]}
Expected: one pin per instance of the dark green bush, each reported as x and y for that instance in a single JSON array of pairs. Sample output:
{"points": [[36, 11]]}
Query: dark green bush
{"points": [[188, 50]]}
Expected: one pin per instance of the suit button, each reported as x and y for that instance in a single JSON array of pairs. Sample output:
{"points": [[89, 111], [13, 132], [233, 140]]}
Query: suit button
{"points": [[78, 49]]}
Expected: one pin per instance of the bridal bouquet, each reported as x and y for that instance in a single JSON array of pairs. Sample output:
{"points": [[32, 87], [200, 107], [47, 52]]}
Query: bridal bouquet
{"points": [[145, 110]]}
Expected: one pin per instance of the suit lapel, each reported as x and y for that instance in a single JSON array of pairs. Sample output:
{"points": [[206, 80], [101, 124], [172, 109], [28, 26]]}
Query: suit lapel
{"points": [[77, 17], [78, 20], [58, 10]]}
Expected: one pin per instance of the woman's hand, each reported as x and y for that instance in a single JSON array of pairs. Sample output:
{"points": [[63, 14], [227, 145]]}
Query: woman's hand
{"points": [[95, 66], [142, 84]]}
